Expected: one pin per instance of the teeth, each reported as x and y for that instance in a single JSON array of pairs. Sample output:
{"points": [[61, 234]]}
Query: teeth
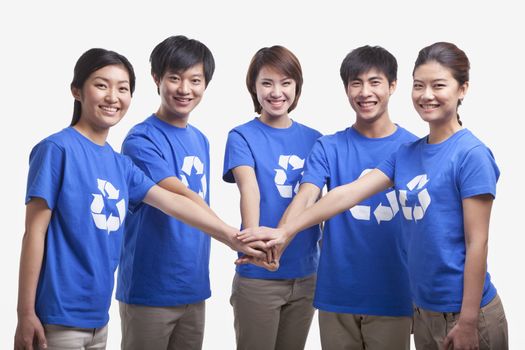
{"points": [[109, 109], [430, 106]]}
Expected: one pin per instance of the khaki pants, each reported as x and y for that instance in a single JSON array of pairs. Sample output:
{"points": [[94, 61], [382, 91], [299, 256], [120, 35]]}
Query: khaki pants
{"points": [[72, 338], [431, 328], [272, 314], [162, 328], [358, 332]]}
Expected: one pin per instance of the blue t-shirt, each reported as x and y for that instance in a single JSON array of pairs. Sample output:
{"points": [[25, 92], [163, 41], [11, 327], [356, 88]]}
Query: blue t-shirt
{"points": [[164, 261], [277, 157], [87, 186], [362, 269], [432, 180]]}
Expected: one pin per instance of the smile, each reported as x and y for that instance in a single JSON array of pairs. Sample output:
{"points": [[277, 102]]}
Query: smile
{"points": [[367, 104], [109, 109], [429, 106]]}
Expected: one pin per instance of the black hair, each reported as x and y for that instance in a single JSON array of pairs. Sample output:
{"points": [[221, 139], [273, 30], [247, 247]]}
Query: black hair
{"points": [[364, 58], [91, 61], [447, 55], [178, 53]]}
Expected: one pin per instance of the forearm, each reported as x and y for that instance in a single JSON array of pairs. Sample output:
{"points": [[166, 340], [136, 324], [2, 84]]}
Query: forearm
{"points": [[174, 185], [473, 281], [190, 213], [30, 266], [250, 207]]}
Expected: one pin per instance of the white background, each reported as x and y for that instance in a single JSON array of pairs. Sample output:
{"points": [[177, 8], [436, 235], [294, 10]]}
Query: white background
{"points": [[41, 41]]}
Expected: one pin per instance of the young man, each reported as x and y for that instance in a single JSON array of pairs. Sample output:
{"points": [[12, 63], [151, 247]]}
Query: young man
{"points": [[362, 290], [163, 277]]}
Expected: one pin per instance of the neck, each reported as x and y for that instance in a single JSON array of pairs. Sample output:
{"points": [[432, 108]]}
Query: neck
{"points": [[440, 132], [97, 136], [379, 128], [175, 120], [281, 122]]}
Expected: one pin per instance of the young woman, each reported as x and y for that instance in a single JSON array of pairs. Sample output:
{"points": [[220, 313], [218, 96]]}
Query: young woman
{"points": [[77, 197], [446, 184], [265, 157]]}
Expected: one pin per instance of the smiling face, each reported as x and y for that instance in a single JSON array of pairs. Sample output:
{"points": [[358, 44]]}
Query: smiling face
{"points": [[369, 94], [436, 93], [104, 97], [275, 93], [180, 93]]}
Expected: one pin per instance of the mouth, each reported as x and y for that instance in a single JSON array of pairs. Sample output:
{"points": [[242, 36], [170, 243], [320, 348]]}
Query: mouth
{"points": [[109, 109], [183, 99], [367, 104], [276, 103], [429, 106]]}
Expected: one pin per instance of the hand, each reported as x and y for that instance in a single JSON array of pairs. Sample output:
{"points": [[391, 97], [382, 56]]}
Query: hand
{"points": [[271, 263], [29, 331], [257, 249], [272, 236], [463, 336]]}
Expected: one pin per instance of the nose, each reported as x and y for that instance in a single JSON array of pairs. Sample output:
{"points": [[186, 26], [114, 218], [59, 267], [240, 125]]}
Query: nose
{"points": [[111, 95], [184, 87], [276, 91], [365, 90], [428, 94]]}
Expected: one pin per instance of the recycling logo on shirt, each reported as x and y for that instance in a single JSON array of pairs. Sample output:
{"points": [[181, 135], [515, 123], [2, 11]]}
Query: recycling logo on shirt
{"points": [[381, 212], [416, 212], [108, 192], [288, 164], [193, 170]]}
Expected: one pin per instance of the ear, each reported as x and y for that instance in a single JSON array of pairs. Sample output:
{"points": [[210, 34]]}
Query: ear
{"points": [[463, 90], [156, 79], [76, 93], [392, 87]]}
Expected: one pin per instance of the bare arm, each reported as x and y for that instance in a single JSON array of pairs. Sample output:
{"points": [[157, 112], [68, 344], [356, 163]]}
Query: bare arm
{"points": [[174, 185], [334, 202], [250, 196], [193, 214], [476, 217], [29, 326]]}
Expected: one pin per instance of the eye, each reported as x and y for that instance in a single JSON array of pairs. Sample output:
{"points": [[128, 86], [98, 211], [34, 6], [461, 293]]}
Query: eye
{"points": [[439, 86], [101, 85], [375, 82], [123, 89], [355, 84], [266, 83], [173, 78], [287, 83], [196, 81], [417, 86]]}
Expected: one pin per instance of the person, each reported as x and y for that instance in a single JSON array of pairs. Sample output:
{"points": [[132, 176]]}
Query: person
{"points": [[163, 279], [362, 290], [446, 184], [78, 193], [265, 158]]}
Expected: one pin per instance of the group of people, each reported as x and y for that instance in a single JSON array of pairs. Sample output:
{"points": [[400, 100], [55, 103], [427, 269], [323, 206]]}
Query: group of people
{"points": [[406, 219]]}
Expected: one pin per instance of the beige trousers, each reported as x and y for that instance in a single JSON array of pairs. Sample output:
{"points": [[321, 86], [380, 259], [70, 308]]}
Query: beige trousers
{"points": [[272, 314], [162, 328], [358, 332], [431, 328], [72, 338]]}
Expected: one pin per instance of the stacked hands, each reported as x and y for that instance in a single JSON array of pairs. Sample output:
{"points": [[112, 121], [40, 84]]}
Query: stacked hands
{"points": [[262, 246]]}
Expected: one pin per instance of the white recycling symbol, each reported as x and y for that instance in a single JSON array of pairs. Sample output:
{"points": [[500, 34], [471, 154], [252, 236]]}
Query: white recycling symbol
{"points": [[417, 211], [296, 163], [190, 163], [381, 212], [109, 223]]}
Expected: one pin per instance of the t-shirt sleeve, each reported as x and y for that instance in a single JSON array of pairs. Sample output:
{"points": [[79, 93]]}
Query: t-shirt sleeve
{"points": [[316, 169], [478, 173], [46, 164], [388, 166], [237, 153], [147, 156], [138, 184]]}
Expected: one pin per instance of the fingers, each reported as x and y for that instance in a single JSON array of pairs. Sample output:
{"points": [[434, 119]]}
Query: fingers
{"points": [[447, 342], [42, 341]]}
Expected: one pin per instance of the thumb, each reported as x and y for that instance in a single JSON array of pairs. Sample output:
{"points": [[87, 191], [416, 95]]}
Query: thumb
{"points": [[42, 341]]}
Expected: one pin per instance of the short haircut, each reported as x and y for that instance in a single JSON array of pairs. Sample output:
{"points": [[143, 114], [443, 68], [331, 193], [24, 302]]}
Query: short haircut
{"points": [[178, 53], [280, 59], [364, 58]]}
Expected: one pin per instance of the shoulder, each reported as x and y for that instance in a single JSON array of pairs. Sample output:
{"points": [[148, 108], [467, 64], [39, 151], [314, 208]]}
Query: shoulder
{"points": [[311, 131]]}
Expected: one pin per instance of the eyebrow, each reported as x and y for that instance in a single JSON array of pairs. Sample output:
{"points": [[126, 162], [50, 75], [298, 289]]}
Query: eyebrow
{"points": [[107, 80]]}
